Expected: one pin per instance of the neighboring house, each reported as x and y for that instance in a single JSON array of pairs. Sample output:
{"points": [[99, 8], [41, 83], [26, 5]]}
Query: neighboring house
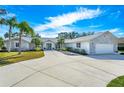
{"points": [[26, 43], [121, 43], [100, 43]]}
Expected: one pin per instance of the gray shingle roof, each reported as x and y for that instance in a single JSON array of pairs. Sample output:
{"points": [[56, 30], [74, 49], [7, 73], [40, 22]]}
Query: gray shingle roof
{"points": [[28, 39], [84, 38]]}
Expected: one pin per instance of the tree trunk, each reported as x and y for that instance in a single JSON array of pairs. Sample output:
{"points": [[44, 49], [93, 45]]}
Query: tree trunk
{"points": [[20, 41], [10, 34]]}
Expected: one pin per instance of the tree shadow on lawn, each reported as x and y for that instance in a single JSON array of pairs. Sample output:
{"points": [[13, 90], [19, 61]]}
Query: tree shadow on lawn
{"points": [[7, 57], [2, 62], [12, 57], [5, 60]]}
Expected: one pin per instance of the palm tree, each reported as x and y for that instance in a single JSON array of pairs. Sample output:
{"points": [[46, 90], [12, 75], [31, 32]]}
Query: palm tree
{"points": [[11, 22], [1, 42], [24, 28], [2, 21], [61, 43]]}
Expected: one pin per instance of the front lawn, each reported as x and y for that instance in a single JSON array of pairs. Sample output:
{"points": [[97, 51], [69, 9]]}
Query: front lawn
{"points": [[13, 57], [117, 82]]}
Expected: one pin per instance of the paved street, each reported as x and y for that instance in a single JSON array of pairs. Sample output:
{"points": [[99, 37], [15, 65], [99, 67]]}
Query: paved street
{"points": [[57, 69]]}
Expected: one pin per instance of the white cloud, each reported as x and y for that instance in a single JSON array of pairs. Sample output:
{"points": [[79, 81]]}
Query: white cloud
{"points": [[115, 15], [121, 33], [54, 33], [68, 19], [9, 15], [114, 30]]}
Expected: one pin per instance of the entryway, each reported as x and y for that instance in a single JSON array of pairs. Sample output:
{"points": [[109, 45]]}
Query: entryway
{"points": [[49, 46]]}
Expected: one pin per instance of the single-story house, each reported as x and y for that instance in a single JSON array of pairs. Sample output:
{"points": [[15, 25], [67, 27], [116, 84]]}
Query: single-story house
{"points": [[26, 43], [99, 43]]}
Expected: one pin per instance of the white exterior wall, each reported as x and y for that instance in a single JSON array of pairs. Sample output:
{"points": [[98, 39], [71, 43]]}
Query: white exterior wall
{"points": [[73, 45], [84, 45], [53, 45], [25, 45]]}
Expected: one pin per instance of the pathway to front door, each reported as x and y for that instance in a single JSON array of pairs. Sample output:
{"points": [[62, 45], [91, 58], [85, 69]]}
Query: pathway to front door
{"points": [[58, 69]]}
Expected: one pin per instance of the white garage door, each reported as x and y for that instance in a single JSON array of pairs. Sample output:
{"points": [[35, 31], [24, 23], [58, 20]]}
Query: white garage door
{"points": [[104, 48]]}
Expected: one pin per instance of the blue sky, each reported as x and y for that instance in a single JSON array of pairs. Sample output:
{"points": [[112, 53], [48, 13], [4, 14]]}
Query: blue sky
{"points": [[48, 20]]}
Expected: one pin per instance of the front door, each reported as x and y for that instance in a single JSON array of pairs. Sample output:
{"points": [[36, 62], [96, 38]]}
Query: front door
{"points": [[49, 46]]}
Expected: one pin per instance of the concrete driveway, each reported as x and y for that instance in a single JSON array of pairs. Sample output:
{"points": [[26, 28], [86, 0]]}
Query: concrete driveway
{"points": [[58, 69]]}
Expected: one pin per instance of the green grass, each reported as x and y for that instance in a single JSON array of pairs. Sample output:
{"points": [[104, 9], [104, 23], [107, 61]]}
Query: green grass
{"points": [[121, 51], [13, 57], [117, 82]]}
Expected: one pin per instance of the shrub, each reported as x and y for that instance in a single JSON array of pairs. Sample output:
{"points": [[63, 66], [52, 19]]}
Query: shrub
{"points": [[37, 49], [83, 52], [14, 50], [120, 48], [63, 49], [121, 53], [75, 50], [69, 49], [3, 49]]}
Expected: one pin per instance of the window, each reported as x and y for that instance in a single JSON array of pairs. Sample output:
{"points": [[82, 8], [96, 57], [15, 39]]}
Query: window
{"points": [[17, 44], [78, 45]]}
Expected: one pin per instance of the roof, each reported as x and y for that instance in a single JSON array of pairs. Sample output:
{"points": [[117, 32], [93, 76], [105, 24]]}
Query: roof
{"points": [[49, 39], [86, 38], [121, 40], [28, 39]]}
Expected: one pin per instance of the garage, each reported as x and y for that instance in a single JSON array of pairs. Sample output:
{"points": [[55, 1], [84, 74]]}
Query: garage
{"points": [[104, 48]]}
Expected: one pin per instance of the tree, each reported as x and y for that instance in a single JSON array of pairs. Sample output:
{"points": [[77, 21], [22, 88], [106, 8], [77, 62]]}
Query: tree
{"points": [[11, 22], [6, 35], [37, 41], [2, 20], [16, 34], [24, 28], [86, 34], [61, 43], [72, 35], [1, 42]]}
